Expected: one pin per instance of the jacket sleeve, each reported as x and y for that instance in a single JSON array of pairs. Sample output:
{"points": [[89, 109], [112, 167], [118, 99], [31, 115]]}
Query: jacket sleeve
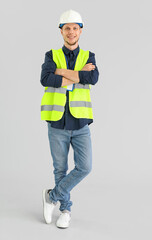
{"points": [[48, 78], [89, 77]]}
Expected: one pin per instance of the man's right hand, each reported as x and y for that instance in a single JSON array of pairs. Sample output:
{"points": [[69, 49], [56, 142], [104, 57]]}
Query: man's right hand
{"points": [[88, 67]]}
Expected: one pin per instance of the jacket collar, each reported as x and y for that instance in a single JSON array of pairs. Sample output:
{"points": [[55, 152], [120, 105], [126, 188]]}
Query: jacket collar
{"points": [[67, 51]]}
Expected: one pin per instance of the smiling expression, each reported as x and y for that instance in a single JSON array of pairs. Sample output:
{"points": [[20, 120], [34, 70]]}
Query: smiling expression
{"points": [[71, 33]]}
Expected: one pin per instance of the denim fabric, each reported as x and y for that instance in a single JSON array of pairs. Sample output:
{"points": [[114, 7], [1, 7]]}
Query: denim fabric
{"points": [[60, 140]]}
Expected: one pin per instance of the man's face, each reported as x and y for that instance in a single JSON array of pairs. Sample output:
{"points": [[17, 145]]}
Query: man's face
{"points": [[71, 33]]}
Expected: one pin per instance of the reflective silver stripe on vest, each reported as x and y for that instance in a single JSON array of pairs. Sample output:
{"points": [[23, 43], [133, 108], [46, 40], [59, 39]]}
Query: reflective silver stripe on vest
{"points": [[79, 85], [58, 90], [80, 104], [52, 107]]}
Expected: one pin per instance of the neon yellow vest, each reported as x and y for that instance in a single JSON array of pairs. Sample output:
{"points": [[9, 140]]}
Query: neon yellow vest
{"points": [[54, 99]]}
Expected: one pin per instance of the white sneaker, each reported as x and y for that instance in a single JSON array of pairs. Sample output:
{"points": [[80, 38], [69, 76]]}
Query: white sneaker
{"points": [[48, 206], [63, 220]]}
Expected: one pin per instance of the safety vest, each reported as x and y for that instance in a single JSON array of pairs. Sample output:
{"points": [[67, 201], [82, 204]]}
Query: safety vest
{"points": [[54, 99]]}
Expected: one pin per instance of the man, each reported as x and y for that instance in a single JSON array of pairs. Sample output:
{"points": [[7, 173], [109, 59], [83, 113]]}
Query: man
{"points": [[67, 75]]}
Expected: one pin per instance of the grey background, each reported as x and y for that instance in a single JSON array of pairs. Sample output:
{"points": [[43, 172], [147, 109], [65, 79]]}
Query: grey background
{"points": [[115, 200]]}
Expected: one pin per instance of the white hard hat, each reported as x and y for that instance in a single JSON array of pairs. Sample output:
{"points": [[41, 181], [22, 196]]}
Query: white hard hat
{"points": [[70, 16]]}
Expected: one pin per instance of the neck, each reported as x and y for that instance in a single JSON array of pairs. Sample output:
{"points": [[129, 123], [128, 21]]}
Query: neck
{"points": [[71, 47]]}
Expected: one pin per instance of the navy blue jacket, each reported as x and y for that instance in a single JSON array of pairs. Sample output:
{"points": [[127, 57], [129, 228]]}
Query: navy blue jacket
{"points": [[49, 79]]}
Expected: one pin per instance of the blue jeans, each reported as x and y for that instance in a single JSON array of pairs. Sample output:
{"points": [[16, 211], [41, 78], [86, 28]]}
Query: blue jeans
{"points": [[60, 140]]}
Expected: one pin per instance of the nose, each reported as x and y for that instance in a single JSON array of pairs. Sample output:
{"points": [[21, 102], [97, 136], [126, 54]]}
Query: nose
{"points": [[71, 30]]}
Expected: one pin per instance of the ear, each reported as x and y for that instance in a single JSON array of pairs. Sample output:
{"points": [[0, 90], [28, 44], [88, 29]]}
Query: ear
{"points": [[80, 30], [61, 31]]}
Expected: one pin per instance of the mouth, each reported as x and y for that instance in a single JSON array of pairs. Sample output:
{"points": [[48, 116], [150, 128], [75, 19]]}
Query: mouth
{"points": [[71, 38]]}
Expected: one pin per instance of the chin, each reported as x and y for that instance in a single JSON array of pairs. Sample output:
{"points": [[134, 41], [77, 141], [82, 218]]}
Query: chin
{"points": [[72, 43]]}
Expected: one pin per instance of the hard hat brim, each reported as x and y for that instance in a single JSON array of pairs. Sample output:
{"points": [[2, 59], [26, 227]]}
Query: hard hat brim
{"points": [[61, 24]]}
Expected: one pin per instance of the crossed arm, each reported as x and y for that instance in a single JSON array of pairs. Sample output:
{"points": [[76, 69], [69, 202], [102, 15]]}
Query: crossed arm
{"points": [[71, 76]]}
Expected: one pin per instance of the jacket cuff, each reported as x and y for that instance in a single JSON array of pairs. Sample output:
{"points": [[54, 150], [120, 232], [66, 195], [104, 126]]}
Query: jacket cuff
{"points": [[58, 81], [81, 77]]}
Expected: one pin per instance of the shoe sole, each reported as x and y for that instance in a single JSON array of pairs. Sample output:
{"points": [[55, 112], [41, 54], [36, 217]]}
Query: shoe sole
{"points": [[62, 227]]}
